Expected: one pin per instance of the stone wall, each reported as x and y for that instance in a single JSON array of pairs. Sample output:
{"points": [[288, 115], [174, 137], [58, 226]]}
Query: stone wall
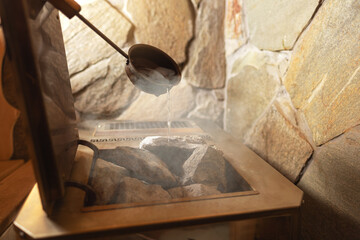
{"points": [[293, 96], [282, 77], [189, 31]]}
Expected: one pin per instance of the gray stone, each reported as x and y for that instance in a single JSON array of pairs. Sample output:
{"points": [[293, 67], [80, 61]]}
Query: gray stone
{"points": [[323, 79], [208, 107], [206, 165], [135, 191], [269, 25], [193, 190], [83, 46], [250, 91], [104, 96], [150, 107], [106, 179], [332, 190], [142, 165], [167, 25], [278, 142], [174, 151], [207, 67]]}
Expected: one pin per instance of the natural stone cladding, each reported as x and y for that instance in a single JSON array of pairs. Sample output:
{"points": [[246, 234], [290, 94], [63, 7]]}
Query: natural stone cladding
{"points": [[278, 142], [332, 190], [275, 25], [307, 126], [99, 83], [167, 25], [207, 65], [254, 82], [323, 77]]}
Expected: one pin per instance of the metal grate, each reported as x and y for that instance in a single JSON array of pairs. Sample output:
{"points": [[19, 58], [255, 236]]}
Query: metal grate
{"points": [[146, 125]]}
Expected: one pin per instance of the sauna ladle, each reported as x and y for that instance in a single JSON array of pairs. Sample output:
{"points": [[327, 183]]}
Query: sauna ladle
{"points": [[148, 68]]}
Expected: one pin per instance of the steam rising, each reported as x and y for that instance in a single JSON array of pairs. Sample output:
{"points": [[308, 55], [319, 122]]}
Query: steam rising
{"points": [[155, 81]]}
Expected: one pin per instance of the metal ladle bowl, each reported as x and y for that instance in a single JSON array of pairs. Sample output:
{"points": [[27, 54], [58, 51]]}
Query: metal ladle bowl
{"points": [[151, 70]]}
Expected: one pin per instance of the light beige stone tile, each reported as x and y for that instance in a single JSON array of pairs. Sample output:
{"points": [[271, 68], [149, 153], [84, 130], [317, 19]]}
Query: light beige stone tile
{"points": [[150, 107], [254, 84], [83, 46], [279, 143], [167, 25], [105, 93], [323, 79], [275, 25], [235, 35], [207, 67]]}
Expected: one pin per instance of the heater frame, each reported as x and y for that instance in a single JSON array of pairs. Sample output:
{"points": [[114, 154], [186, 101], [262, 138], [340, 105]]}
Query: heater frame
{"points": [[273, 196]]}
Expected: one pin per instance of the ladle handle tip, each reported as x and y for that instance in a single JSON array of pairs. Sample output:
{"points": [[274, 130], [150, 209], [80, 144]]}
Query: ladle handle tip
{"points": [[71, 8], [68, 7]]}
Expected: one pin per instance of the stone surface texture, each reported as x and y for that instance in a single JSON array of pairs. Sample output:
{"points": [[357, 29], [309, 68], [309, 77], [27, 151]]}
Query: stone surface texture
{"points": [[118, 4], [167, 25], [193, 190], [254, 83], [98, 79], [206, 165], [142, 165], [173, 151], [83, 46], [106, 179], [135, 191], [208, 107], [324, 78], [196, 3], [90, 75], [269, 22], [206, 66], [150, 107], [234, 29], [104, 89], [332, 190], [281, 144]]}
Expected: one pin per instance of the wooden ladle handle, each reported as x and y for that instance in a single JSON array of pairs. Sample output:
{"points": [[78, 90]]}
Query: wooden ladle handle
{"points": [[68, 7]]}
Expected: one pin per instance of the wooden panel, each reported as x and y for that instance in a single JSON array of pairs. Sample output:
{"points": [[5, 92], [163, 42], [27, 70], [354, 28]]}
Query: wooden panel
{"points": [[44, 93], [13, 190], [7, 167], [243, 230], [8, 114]]}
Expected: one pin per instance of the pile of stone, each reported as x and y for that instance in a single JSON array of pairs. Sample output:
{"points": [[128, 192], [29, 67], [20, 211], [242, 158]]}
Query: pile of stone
{"points": [[163, 168]]}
